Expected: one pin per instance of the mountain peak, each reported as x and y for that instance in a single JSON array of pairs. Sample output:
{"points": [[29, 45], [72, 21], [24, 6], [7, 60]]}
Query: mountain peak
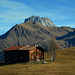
{"points": [[42, 20]]}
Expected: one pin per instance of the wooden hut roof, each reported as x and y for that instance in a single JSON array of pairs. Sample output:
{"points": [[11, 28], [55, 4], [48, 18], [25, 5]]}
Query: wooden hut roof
{"points": [[27, 47], [13, 48]]}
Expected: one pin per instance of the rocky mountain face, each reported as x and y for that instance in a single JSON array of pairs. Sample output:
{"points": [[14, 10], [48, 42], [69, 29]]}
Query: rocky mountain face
{"points": [[34, 32], [42, 20], [69, 39]]}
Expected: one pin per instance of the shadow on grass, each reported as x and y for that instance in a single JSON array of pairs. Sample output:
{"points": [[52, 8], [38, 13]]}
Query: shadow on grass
{"points": [[36, 62], [2, 64]]}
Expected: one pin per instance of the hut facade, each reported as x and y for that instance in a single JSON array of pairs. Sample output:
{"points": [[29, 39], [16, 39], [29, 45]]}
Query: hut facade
{"points": [[23, 54]]}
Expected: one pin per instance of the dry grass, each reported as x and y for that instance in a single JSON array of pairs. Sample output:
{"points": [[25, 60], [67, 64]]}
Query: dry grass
{"points": [[63, 65]]}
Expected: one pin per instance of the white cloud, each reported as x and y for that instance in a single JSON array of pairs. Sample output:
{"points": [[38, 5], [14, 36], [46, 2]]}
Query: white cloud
{"points": [[14, 5], [2, 28], [67, 1], [67, 25], [15, 11], [55, 16], [72, 25]]}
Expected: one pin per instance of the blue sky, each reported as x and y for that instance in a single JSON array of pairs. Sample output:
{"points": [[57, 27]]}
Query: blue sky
{"points": [[61, 12]]}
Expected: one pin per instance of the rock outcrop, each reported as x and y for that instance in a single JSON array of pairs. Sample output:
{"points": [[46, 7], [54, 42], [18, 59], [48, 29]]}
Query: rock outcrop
{"points": [[42, 20]]}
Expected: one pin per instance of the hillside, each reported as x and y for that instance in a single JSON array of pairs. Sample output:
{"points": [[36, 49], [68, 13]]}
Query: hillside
{"points": [[63, 65], [33, 32], [69, 39]]}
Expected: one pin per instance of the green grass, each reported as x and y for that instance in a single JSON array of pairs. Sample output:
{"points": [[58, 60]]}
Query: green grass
{"points": [[63, 65]]}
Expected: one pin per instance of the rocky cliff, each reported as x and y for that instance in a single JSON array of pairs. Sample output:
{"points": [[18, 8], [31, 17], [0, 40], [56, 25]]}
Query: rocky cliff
{"points": [[42, 20]]}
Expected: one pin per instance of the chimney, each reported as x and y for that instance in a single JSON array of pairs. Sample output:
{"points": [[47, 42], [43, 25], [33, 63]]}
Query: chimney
{"points": [[34, 44]]}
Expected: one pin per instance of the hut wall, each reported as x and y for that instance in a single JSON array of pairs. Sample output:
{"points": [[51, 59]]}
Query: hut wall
{"points": [[32, 55], [40, 54], [11, 56], [23, 56], [36, 54]]}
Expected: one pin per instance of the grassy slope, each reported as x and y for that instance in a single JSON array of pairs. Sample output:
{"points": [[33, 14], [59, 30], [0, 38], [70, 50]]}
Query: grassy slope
{"points": [[63, 65]]}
